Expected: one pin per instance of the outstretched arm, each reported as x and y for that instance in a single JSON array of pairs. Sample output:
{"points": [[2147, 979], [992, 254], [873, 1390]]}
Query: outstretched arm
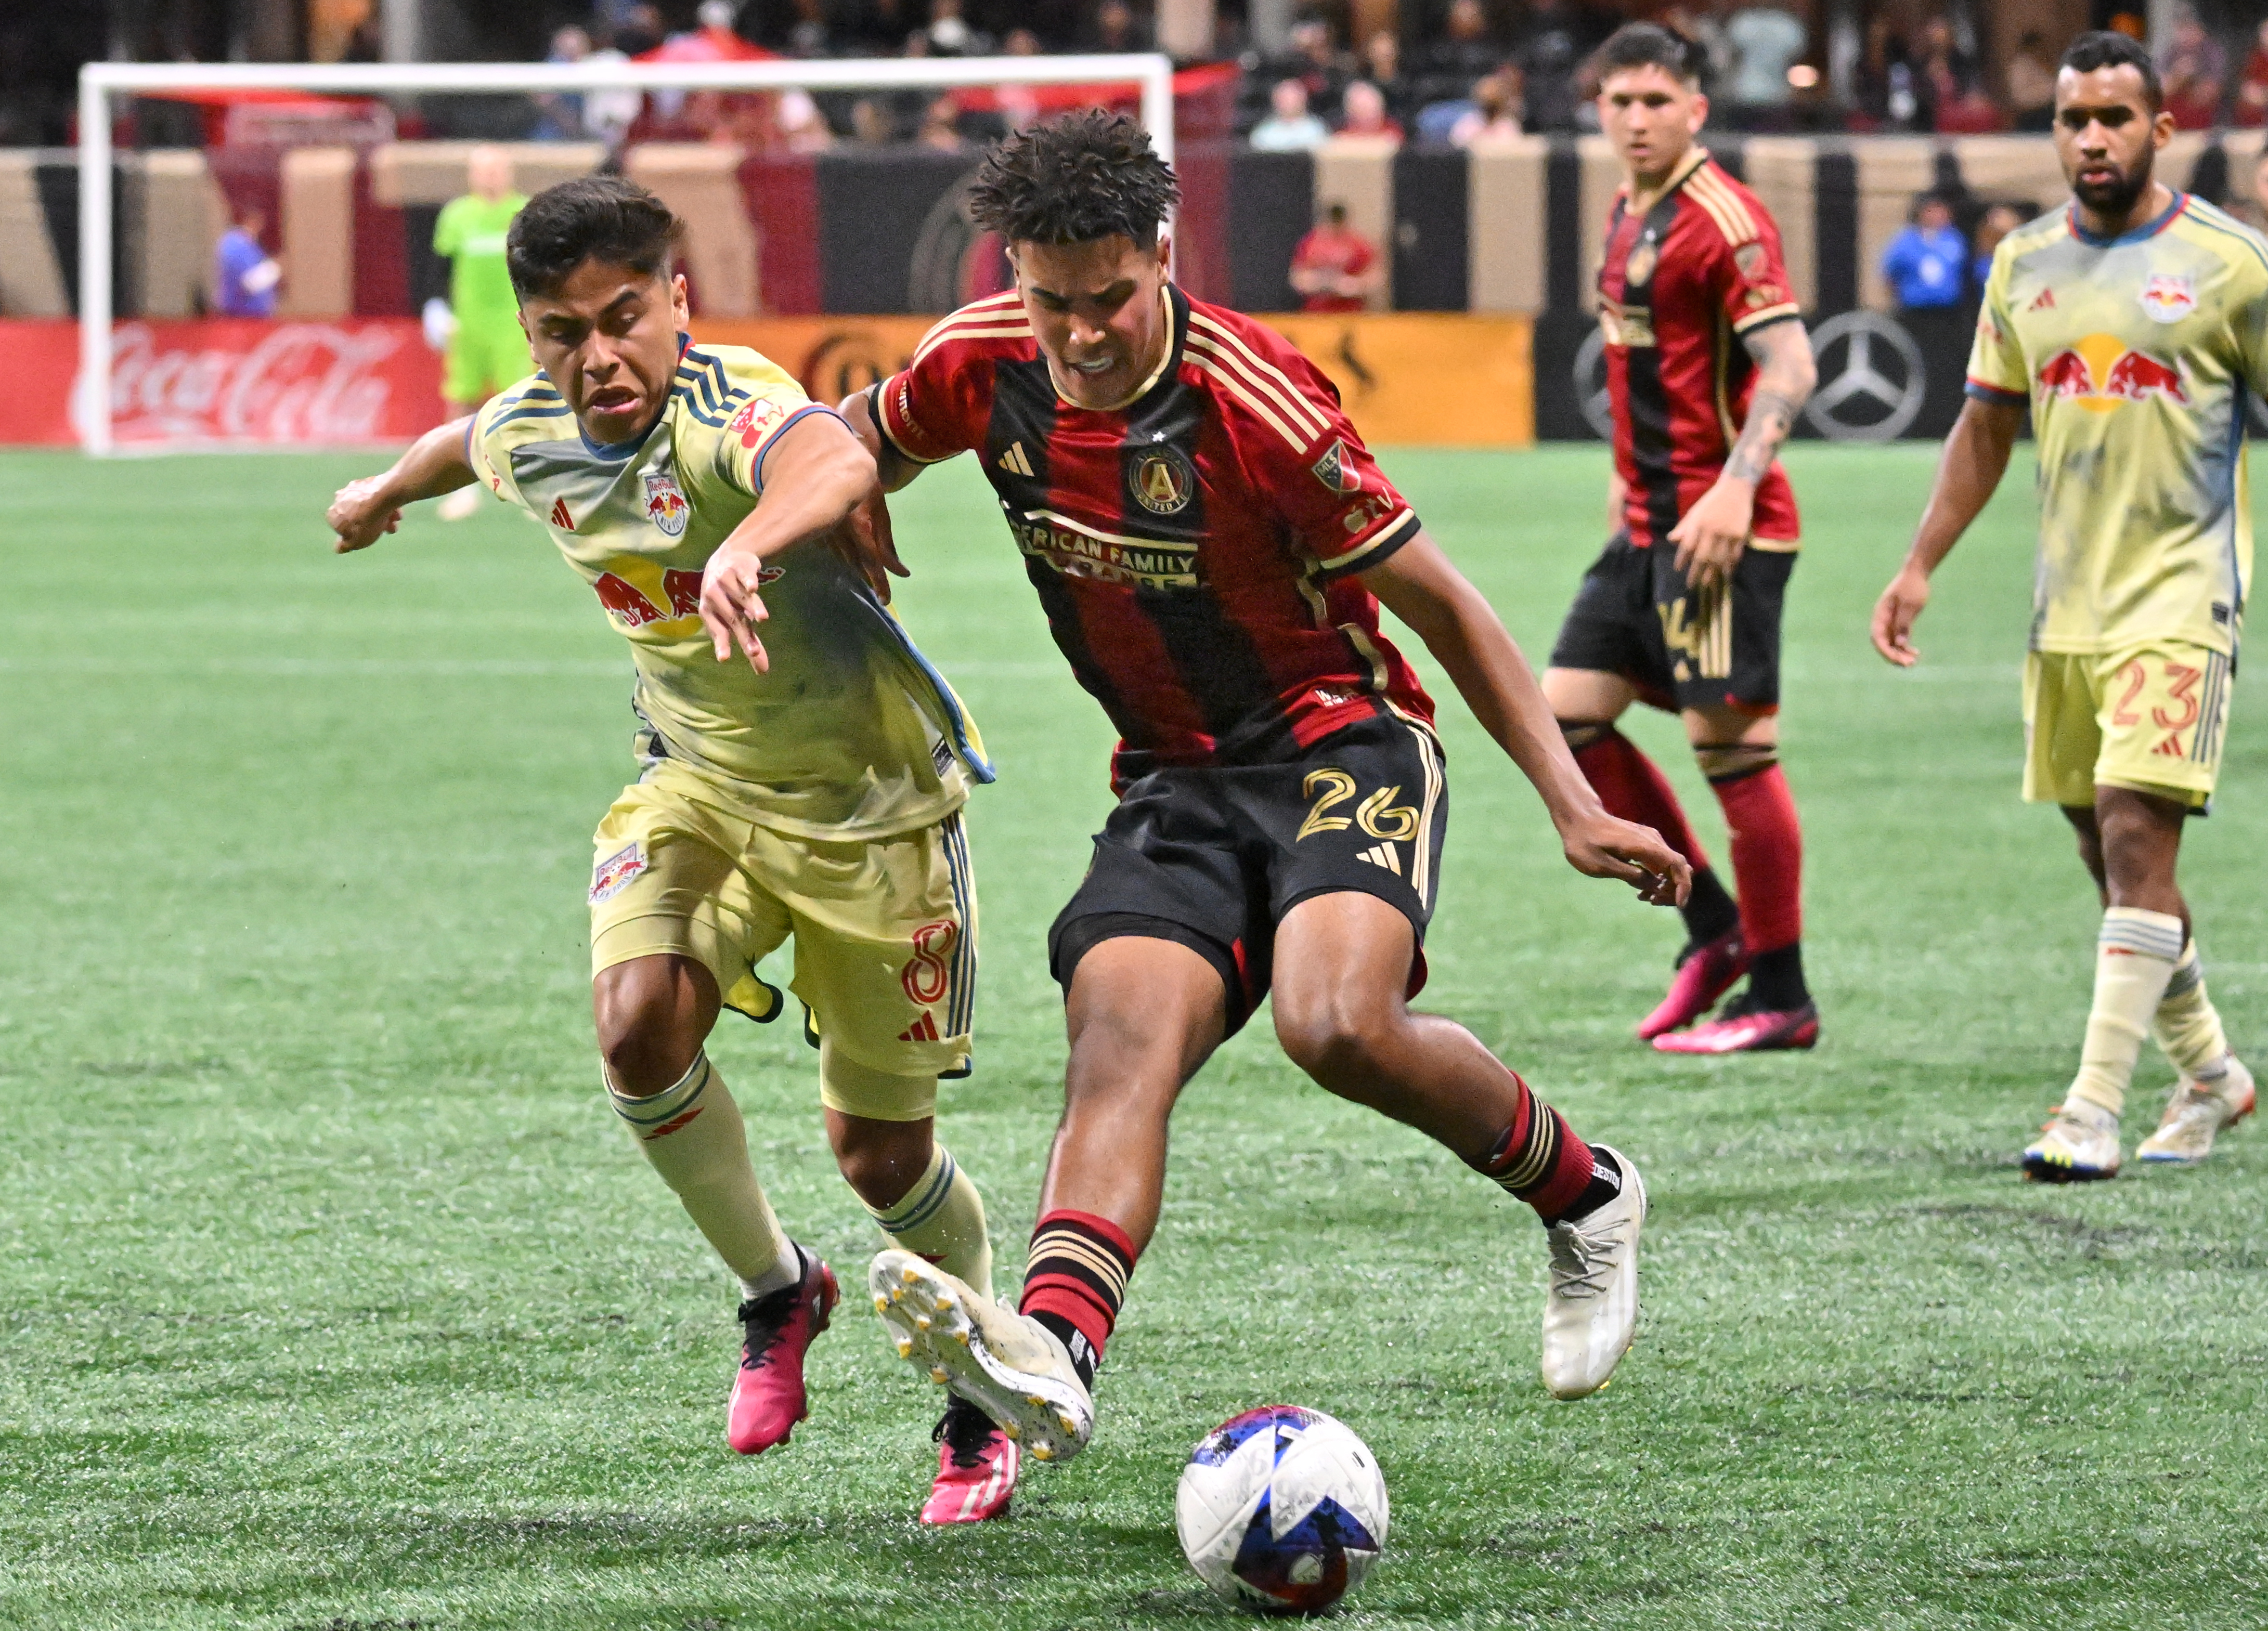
{"points": [[814, 474], [1711, 536], [1462, 631], [363, 511], [893, 467], [1975, 456]]}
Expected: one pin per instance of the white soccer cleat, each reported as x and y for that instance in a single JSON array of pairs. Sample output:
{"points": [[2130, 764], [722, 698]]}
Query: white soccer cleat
{"points": [[1012, 1367], [1591, 1311], [2196, 1112], [2078, 1143]]}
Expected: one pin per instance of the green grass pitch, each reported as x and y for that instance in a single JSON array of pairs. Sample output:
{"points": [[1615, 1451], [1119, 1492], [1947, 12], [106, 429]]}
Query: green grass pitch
{"points": [[331, 1296]]}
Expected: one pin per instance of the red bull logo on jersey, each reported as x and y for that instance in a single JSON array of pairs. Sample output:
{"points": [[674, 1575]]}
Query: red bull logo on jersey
{"points": [[630, 606], [612, 875], [665, 504], [2101, 374], [2169, 297]]}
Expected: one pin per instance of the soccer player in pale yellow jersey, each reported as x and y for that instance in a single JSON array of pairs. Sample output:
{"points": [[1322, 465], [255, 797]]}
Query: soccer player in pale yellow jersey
{"points": [[806, 785], [2134, 323]]}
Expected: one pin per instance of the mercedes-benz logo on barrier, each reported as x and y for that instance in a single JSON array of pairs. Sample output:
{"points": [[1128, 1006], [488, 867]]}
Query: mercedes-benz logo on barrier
{"points": [[1591, 386], [1871, 378]]}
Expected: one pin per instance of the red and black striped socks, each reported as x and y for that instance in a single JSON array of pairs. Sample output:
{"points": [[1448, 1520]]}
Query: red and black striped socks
{"points": [[1075, 1281], [1539, 1160]]}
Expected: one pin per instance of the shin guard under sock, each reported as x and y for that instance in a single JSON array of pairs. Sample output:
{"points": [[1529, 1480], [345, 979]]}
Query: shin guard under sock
{"points": [[2188, 1026], [1540, 1161], [2134, 959], [1632, 787], [942, 1219], [691, 1133], [1075, 1283], [1767, 844]]}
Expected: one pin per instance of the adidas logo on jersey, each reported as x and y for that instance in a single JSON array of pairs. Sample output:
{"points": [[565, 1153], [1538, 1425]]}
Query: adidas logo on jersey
{"points": [[1013, 460], [1385, 856], [922, 1030], [560, 518], [2044, 301]]}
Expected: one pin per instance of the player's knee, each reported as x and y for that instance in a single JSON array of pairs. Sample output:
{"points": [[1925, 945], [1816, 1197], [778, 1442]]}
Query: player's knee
{"points": [[648, 1024], [1729, 762], [1342, 1043], [879, 1160]]}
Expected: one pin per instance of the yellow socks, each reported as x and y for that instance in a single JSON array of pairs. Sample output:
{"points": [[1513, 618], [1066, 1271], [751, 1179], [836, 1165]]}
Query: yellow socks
{"points": [[942, 1218], [2134, 961], [2188, 1026], [692, 1133]]}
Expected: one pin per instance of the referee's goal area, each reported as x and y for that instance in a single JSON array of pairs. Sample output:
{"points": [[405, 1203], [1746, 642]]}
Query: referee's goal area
{"points": [[1145, 79]]}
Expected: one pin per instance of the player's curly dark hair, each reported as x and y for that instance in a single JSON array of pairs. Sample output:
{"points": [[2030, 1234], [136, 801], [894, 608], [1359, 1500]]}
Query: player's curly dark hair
{"points": [[1648, 45], [1074, 179], [594, 217]]}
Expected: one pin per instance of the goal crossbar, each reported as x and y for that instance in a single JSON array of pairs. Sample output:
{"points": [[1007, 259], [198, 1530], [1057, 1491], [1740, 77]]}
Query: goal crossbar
{"points": [[99, 82]]}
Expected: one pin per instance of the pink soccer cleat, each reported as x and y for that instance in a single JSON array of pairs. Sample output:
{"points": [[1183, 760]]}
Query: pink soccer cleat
{"points": [[1704, 973], [768, 1396], [976, 1467], [1743, 1029]]}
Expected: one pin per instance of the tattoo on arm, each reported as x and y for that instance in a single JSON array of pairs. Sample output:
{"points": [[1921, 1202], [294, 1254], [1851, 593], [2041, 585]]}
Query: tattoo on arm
{"points": [[1786, 374]]}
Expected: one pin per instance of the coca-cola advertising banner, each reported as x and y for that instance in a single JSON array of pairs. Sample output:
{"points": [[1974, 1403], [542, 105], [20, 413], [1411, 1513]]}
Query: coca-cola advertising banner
{"points": [[231, 382]]}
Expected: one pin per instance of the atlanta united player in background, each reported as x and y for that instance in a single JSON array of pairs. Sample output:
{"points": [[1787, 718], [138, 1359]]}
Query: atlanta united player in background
{"points": [[1212, 543], [1707, 366], [2133, 323]]}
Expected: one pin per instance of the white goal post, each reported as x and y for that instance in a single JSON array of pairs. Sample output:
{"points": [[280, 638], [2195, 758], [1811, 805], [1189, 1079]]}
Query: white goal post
{"points": [[99, 82]]}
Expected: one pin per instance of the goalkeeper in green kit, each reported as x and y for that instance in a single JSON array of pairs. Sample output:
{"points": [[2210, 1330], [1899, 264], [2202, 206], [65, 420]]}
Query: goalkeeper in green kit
{"points": [[487, 349]]}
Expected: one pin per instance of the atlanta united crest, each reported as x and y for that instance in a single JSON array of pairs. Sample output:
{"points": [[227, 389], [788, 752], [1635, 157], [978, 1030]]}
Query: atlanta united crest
{"points": [[2169, 297], [665, 505], [1162, 481]]}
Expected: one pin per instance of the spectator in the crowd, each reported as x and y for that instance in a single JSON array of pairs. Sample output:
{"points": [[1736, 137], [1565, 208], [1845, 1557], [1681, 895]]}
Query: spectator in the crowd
{"points": [[949, 34], [1335, 267], [607, 116], [1887, 98], [1381, 61], [1927, 264], [1115, 28], [1021, 42], [245, 275], [2251, 109], [1954, 101], [563, 110], [1363, 114], [2195, 72], [1998, 223], [810, 34], [802, 128], [640, 30], [1446, 67], [940, 126], [1315, 63], [1288, 127], [2031, 79], [1558, 35], [1766, 41], [1497, 110], [872, 124]]}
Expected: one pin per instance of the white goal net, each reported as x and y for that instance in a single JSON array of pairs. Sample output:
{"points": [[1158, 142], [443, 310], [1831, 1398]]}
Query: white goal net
{"points": [[102, 83]]}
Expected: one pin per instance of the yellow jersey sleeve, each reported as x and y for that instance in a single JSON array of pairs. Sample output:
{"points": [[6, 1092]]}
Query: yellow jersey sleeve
{"points": [[531, 409], [761, 399], [1996, 360]]}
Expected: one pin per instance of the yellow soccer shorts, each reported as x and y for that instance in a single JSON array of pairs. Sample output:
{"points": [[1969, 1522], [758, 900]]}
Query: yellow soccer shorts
{"points": [[885, 930], [2152, 718], [483, 356]]}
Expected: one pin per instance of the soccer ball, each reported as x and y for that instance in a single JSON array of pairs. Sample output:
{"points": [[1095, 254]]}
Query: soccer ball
{"points": [[1281, 1509]]}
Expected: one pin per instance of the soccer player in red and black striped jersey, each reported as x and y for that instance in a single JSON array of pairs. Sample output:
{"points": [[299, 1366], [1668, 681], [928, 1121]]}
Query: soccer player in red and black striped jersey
{"points": [[1212, 542], [1707, 366]]}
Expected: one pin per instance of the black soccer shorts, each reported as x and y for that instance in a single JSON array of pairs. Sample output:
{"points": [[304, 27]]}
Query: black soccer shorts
{"points": [[1212, 857], [1635, 615]]}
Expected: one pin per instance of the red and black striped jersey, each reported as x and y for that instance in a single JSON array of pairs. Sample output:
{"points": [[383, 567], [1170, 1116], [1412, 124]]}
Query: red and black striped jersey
{"points": [[1193, 550], [1681, 283]]}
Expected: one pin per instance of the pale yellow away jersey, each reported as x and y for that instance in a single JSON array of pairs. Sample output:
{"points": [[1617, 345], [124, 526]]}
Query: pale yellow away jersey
{"points": [[851, 735], [2138, 355]]}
